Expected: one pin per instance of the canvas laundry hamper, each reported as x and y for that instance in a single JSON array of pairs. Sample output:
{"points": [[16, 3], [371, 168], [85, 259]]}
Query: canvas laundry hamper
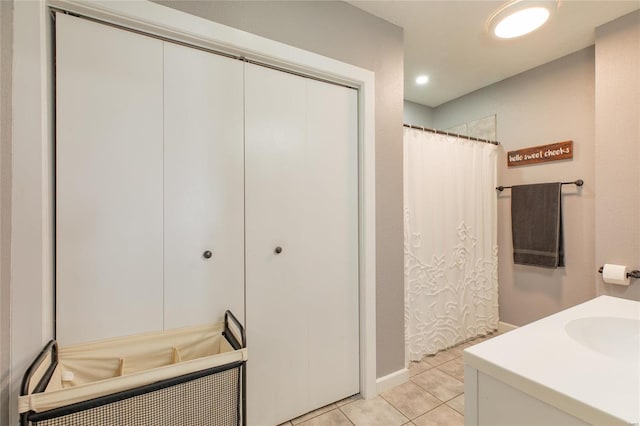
{"points": [[191, 376]]}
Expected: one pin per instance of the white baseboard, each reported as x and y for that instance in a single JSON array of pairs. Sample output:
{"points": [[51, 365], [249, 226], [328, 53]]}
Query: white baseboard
{"points": [[402, 376], [392, 380], [503, 327]]}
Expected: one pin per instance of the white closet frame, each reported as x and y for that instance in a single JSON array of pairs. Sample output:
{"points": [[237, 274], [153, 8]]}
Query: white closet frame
{"points": [[32, 227]]}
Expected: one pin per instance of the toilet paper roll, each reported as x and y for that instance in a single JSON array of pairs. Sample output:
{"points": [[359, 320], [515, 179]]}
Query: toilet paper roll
{"points": [[615, 274]]}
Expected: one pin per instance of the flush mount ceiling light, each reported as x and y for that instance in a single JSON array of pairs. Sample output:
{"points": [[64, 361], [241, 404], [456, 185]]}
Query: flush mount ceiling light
{"points": [[422, 79], [520, 17]]}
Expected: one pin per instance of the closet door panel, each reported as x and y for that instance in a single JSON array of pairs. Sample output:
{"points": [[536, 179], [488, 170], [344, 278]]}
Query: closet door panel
{"points": [[204, 186], [276, 297], [331, 232], [301, 195], [108, 181]]}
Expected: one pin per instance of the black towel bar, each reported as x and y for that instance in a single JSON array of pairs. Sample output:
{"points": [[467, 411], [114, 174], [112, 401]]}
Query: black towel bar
{"points": [[578, 182]]}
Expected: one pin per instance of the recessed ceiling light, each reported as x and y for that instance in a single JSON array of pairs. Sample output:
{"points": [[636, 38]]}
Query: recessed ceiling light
{"points": [[520, 17], [422, 79]]}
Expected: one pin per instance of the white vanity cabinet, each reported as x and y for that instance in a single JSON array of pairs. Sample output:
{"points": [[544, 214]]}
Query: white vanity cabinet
{"points": [[489, 401], [188, 183], [576, 367]]}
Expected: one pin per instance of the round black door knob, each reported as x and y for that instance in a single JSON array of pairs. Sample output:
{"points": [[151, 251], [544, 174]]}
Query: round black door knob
{"points": [[278, 250], [207, 254]]}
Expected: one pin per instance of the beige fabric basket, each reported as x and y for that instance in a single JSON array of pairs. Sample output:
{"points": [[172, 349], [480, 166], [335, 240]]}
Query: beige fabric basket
{"points": [[92, 371]]}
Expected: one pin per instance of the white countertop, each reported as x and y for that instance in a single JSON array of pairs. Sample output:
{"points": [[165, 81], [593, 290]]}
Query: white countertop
{"points": [[541, 359]]}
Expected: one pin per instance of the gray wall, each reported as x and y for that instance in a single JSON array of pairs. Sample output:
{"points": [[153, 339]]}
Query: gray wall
{"points": [[550, 103], [343, 32], [418, 115], [6, 28], [617, 148]]}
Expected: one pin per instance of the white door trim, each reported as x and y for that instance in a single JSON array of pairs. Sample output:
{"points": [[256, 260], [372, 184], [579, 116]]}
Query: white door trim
{"points": [[32, 192]]}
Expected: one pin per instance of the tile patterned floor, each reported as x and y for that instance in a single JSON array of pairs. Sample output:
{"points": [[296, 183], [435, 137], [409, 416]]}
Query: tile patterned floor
{"points": [[434, 396]]}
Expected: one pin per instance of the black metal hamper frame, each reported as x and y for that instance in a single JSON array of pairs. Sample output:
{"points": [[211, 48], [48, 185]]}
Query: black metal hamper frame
{"points": [[136, 402]]}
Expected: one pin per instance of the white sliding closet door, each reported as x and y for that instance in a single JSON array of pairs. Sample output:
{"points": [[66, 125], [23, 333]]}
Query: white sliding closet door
{"points": [[204, 186], [301, 244], [108, 181], [190, 183], [331, 232]]}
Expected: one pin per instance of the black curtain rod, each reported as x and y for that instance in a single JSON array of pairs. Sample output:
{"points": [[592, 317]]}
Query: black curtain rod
{"points": [[578, 182], [442, 132]]}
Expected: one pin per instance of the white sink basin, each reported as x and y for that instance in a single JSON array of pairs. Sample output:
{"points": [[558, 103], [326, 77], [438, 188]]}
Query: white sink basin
{"points": [[613, 337]]}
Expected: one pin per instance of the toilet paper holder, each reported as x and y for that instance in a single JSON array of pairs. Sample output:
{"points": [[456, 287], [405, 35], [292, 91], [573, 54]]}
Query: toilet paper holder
{"points": [[630, 274]]}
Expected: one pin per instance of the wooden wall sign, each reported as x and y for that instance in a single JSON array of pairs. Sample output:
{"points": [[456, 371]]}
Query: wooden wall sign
{"points": [[540, 154]]}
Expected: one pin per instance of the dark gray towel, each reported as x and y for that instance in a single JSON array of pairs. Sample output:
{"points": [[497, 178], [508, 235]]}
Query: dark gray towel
{"points": [[536, 225]]}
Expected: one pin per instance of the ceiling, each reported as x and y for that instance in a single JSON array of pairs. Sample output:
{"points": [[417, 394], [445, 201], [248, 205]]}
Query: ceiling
{"points": [[447, 41]]}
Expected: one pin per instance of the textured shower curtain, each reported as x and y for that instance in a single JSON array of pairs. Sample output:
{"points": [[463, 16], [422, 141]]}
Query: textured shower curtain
{"points": [[450, 241]]}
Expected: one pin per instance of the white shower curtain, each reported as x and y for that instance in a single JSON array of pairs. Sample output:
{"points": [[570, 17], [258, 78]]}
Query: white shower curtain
{"points": [[450, 241]]}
